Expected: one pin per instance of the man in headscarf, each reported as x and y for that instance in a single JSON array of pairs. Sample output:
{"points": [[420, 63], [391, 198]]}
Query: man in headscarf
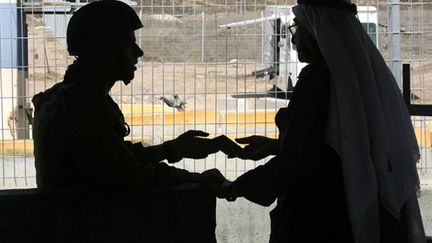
{"points": [[344, 169], [79, 130]]}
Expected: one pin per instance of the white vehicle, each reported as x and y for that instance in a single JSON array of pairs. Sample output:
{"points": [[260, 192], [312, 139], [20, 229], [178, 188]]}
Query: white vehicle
{"points": [[279, 57]]}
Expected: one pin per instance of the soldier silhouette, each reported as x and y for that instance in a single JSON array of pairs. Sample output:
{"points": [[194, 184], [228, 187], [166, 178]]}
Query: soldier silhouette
{"points": [[79, 130]]}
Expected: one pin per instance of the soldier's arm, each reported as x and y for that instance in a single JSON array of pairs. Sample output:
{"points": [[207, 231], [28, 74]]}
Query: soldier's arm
{"points": [[103, 158], [148, 154]]}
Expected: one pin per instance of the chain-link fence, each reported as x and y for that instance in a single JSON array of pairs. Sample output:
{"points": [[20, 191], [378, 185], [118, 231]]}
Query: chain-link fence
{"points": [[223, 72]]}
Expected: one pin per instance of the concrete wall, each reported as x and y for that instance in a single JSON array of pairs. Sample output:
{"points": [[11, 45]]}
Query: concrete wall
{"points": [[179, 214], [244, 222]]}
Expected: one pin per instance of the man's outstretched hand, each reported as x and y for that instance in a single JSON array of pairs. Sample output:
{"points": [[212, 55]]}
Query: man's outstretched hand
{"points": [[257, 147]]}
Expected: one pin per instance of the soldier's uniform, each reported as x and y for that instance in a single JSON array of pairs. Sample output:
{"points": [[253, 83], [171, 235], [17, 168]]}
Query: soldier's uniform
{"points": [[79, 140]]}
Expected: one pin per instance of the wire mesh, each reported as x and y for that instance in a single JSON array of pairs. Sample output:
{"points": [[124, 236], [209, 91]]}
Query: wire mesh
{"points": [[187, 54]]}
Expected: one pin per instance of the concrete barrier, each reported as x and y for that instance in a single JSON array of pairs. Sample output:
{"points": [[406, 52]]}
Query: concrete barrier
{"points": [[178, 214]]}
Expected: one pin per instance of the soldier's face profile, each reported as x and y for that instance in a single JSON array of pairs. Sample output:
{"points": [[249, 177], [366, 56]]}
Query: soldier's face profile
{"points": [[127, 57]]}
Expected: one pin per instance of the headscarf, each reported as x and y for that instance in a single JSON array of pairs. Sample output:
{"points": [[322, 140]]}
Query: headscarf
{"points": [[368, 125]]}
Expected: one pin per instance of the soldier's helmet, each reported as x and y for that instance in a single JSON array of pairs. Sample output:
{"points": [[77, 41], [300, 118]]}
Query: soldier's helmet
{"points": [[100, 24]]}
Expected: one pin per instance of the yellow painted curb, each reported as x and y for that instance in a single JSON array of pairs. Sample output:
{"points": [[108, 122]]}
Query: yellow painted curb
{"points": [[138, 108], [250, 118], [16, 147], [201, 117], [25, 147], [178, 118], [423, 136]]}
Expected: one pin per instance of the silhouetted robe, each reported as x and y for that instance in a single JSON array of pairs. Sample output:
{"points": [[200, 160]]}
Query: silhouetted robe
{"points": [[305, 176]]}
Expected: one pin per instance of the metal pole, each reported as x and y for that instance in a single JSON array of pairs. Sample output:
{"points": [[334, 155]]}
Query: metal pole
{"points": [[395, 40], [202, 37], [22, 53], [262, 38]]}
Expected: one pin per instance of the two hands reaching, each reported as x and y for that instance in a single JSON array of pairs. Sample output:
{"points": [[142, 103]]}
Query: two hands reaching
{"points": [[195, 144], [256, 148]]}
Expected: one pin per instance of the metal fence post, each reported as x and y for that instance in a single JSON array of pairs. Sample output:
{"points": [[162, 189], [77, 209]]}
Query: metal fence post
{"points": [[395, 40], [23, 117]]}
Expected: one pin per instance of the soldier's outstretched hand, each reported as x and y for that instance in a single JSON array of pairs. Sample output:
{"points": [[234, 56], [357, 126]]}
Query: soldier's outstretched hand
{"points": [[191, 144]]}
